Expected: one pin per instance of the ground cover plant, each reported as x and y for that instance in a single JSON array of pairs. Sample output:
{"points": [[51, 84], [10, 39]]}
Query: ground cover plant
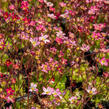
{"points": [[54, 54]]}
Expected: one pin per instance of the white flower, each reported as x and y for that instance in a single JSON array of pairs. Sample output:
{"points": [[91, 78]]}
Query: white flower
{"points": [[92, 91], [52, 16], [44, 38], [104, 61], [62, 4], [85, 47], [56, 92], [60, 34], [73, 62], [64, 15], [9, 99], [33, 87], [48, 90], [34, 41], [72, 99], [49, 4]]}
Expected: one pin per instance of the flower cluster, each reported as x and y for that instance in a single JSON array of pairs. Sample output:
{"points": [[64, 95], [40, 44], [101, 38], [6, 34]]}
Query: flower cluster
{"points": [[51, 91], [63, 46]]}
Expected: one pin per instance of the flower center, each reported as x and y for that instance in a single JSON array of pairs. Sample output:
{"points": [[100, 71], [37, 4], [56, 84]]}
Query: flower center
{"points": [[32, 88], [90, 92], [103, 61], [47, 92]]}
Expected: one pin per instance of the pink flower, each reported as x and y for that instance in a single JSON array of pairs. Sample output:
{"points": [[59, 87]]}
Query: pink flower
{"points": [[62, 4], [93, 10], [15, 17], [50, 60], [24, 5], [71, 42], [34, 41], [57, 93], [9, 91], [85, 47], [60, 34], [15, 66], [33, 87], [88, 1], [45, 67], [24, 35], [102, 45], [48, 91], [53, 50], [52, 9], [106, 1], [98, 26], [2, 43], [40, 27], [52, 16], [72, 12], [44, 38], [61, 54], [104, 50], [32, 23], [9, 99], [6, 16], [97, 36], [59, 68], [64, 15], [11, 7], [58, 15], [49, 4], [64, 61], [104, 62], [98, 0], [92, 91], [73, 99], [26, 20], [72, 62], [92, 18], [8, 63], [59, 40], [13, 80], [41, 1]]}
